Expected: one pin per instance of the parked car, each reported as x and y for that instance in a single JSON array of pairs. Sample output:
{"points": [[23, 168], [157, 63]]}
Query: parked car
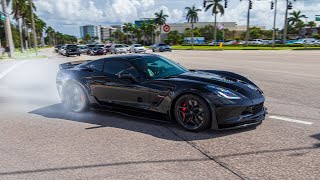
{"points": [[96, 51], [71, 49], [317, 42], [305, 41], [57, 48], [256, 41], [62, 50], [161, 47], [118, 49], [127, 47], [137, 48], [83, 49], [108, 48]]}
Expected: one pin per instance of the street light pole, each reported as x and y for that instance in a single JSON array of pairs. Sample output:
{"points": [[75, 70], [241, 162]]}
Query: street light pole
{"points": [[248, 22], [285, 24], [35, 44], [274, 23], [7, 28]]}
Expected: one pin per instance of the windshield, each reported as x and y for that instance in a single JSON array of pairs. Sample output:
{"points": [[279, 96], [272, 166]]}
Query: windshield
{"points": [[72, 47], [137, 45], [157, 67], [100, 46], [162, 45], [118, 46]]}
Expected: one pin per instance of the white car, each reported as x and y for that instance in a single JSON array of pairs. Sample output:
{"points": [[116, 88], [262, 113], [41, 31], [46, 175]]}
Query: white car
{"points": [[62, 50], [137, 48], [118, 49], [127, 47]]}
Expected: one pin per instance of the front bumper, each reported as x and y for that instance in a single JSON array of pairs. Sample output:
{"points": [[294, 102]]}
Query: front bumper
{"points": [[244, 121], [139, 50]]}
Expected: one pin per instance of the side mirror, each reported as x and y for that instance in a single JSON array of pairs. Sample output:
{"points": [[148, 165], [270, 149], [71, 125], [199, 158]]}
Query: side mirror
{"points": [[127, 75]]}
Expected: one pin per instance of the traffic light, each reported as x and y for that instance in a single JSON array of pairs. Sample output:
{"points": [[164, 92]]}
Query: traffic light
{"points": [[204, 3], [272, 5], [290, 5], [226, 4], [250, 4]]}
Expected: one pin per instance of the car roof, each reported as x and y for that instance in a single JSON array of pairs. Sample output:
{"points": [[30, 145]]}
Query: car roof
{"points": [[132, 56]]}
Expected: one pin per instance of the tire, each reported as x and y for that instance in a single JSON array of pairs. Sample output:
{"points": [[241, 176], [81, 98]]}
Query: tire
{"points": [[192, 113], [75, 98], [153, 50]]}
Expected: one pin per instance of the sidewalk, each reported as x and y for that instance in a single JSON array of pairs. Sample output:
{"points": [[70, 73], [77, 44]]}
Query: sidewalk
{"points": [[23, 56]]}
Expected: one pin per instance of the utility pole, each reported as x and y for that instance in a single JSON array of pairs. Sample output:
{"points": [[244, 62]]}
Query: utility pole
{"points": [[7, 28], [35, 44], [248, 22], [274, 22]]}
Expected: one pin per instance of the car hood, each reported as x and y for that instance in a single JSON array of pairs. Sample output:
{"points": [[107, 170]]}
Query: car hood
{"points": [[230, 83]]}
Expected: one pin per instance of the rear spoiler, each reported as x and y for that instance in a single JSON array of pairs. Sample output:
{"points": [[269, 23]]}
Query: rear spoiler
{"points": [[72, 64]]}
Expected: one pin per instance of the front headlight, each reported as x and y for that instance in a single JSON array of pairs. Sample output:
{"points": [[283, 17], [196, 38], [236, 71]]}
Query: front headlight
{"points": [[224, 93]]}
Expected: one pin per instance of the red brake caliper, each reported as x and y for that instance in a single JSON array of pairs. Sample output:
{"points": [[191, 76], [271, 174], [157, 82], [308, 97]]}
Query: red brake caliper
{"points": [[184, 110]]}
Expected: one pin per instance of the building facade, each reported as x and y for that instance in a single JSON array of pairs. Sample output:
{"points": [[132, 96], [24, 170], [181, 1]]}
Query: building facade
{"points": [[92, 30], [232, 26]]}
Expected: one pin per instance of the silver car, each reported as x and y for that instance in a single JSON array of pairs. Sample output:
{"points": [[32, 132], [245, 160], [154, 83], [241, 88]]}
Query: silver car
{"points": [[83, 49], [137, 48], [118, 49]]}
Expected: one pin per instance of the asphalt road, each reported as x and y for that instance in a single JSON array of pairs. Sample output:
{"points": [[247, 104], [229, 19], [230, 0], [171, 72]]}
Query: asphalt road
{"points": [[40, 140]]}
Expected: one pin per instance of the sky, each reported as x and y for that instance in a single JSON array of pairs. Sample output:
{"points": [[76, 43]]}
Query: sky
{"points": [[67, 15]]}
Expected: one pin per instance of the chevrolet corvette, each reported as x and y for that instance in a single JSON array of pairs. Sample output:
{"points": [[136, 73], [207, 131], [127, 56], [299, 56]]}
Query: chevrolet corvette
{"points": [[154, 85]]}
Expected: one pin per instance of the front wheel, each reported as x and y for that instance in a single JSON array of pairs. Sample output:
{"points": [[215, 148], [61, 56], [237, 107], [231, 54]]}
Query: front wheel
{"points": [[192, 113], [75, 98]]}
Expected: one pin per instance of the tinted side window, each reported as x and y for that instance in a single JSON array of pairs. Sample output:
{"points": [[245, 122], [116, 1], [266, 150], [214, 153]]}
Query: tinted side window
{"points": [[96, 65], [115, 66]]}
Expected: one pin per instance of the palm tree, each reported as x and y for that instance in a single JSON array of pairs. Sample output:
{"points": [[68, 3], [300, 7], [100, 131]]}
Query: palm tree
{"points": [[311, 24], [216, 8], [192, 17], [50, 33], [137, 32], [151, 28], [40, 26], [127, 28], [17, 8], [145, 31], [160, 20], [295, 17]]}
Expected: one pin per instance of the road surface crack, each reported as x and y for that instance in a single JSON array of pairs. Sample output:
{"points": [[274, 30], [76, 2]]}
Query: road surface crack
{"points": [[219, 162]]}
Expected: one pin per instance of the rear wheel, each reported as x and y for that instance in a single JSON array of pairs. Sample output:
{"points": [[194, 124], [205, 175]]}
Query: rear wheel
{"points": [[75, 98], [192, 113]]}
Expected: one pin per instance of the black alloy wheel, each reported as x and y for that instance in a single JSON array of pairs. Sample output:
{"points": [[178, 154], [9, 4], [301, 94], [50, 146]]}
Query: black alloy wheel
{"points": [[192, 113], [75, 98]]}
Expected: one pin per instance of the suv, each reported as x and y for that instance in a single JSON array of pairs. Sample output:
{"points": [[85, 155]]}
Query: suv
{"points": [[161, 47], [72, 49]]}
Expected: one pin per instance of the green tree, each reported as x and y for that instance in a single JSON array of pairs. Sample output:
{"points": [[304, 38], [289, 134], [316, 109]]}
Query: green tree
{"points": [[87, 38], [216, 8], [160, 20], [128, 28], [50, 33], [295, 17], [151, 28], [207, 32], [174, 37], [192, 17]]}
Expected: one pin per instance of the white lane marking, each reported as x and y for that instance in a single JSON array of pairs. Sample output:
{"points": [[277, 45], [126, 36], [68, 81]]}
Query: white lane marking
{"points": [[290, 120], [4, 73]]}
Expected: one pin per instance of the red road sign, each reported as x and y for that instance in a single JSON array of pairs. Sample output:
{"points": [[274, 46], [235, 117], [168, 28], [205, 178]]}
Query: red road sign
{"points": [[166, 28]]}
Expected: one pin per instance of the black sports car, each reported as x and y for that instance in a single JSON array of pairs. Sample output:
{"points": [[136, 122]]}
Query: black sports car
{"points": [[154, 85]]}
